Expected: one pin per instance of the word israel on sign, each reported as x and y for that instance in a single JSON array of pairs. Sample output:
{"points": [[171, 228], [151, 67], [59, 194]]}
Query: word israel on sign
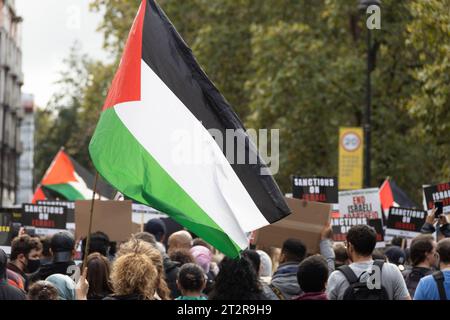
{"points": [[46, 219], [364, 203], [440, 192], [405, 222]]}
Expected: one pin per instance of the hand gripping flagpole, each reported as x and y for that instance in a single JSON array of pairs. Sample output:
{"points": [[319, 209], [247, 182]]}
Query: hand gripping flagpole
{"points": [[88, 237]]}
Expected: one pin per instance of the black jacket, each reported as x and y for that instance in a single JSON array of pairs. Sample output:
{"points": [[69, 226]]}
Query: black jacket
{"points": [[52, 268], [8, 292], [413, 276], [171, 269], [429, 228]]}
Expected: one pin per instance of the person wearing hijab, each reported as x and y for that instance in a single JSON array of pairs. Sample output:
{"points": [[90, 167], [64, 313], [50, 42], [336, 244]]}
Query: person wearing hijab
{"points": [[265, 271], [203, 257], [64, 284]]}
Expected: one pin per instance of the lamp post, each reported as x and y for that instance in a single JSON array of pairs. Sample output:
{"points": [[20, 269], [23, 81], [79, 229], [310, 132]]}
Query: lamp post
{"points": [[363, 5]]}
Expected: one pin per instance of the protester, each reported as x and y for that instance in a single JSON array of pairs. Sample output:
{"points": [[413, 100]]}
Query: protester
{"points": [[191, 282], [99, 242], [46, 255], [43, 290], [399, 242], [133, 277], [312, 276], [64, 285], [423, 259], [179, 240], [378, 254], [8, 292], [341, 256], [397, 256], [284, 281], [139, 246], [237, 280], [25, 256], [157, 228], [203, 257], [255, 258], [98, 276], [171, 268], [147, 237], [62, 246], [182, 256], [437, 285], [265, 271], [442, 222], [361, 241]]}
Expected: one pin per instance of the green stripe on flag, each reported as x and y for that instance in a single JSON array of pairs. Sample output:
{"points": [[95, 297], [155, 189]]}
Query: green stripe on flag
{"points": [[66, 190], [125, 164]]}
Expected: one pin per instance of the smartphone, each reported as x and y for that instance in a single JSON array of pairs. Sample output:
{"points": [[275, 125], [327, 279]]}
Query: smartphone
{"points": [[439, 206]]}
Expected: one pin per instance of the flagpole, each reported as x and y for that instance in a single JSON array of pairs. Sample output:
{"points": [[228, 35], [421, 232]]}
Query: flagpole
{"points": [[88, 237]]}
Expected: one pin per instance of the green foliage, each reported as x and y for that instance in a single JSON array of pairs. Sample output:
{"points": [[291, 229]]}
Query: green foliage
{"points": [[299, 66]]}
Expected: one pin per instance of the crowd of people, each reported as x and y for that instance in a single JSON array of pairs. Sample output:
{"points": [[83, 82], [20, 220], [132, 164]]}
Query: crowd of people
{"points": [[151, 267]]}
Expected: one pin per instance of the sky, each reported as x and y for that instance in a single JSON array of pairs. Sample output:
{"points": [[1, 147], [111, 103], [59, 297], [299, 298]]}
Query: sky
{"points": [[49, 30]]}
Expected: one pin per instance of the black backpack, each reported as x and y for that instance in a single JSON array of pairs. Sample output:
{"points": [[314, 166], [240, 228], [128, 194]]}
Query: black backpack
{"points": [[439, 278], [412, 278], [358, 290]]}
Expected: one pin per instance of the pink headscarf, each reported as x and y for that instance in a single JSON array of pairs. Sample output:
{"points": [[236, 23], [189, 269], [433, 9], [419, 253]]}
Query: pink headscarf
{"points": [[202, 256]]}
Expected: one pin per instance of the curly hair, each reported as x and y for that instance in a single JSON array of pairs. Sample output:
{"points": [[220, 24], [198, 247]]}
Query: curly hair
{"points": [[182, 256], [142, 247], [191, 278], [23, 245], [237, 280], [134, 273], [43, 290]]}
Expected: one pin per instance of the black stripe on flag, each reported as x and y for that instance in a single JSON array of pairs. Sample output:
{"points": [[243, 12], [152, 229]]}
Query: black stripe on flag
{"points": [[166, 53]]}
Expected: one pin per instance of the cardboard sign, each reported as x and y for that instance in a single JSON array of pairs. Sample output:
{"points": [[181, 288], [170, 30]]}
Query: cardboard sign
{"points": [[5, 229], [351, 145], [440, 192], [405, 222], [364, 203], [305, 223], [342, 225], [318, 189], [46, 219], [110, 217]]}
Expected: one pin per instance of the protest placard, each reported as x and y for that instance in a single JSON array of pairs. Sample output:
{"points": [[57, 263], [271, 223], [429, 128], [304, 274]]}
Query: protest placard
{"points": [[318, 189], [5, 230], [363, 203], [305, 223], [405, 222], [342, 225], [439, 192], [110, 217], [46, 220]]}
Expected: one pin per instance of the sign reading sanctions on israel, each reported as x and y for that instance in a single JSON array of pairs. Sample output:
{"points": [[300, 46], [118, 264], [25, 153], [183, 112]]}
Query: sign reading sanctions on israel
{"points": [[318, 189], [341, 226], [46, 219], [405, 222]]}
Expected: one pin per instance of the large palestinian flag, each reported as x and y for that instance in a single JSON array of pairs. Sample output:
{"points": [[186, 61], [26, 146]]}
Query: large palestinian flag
{"points": [[66, 179], [161, 101]]}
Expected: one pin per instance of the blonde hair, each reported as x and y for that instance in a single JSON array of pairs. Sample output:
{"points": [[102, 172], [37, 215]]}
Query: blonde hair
{"points": [[139, 246], [134, 273]]}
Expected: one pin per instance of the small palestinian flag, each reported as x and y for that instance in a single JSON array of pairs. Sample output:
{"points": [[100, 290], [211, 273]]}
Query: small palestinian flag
{"points": [[161, 100], [392, 196], [67, 179]]}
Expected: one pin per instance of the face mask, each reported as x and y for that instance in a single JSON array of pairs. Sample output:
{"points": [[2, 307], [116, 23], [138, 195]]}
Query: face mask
{"points": [[33, 265]]}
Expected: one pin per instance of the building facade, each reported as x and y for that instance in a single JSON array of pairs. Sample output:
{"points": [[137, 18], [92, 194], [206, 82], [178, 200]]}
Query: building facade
{"points": [[26, 166], [11, 112]]}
